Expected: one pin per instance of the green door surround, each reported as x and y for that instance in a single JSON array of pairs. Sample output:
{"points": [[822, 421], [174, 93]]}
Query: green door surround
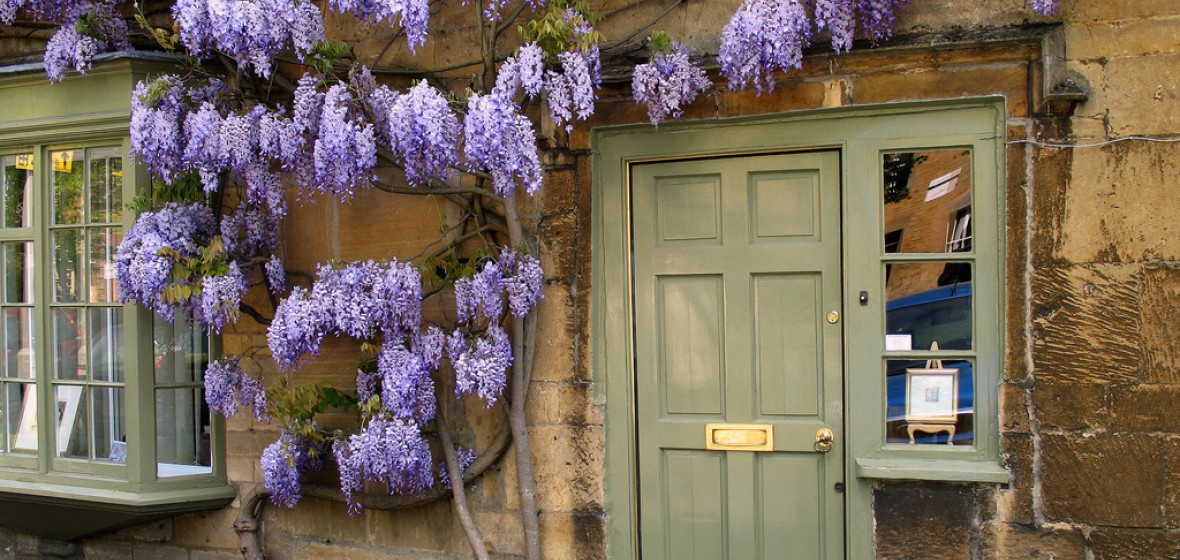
{"points": [[860, 135]]}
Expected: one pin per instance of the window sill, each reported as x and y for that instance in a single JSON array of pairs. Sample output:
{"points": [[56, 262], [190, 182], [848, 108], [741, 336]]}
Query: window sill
{"points": [[69, 513], [953, 470]]}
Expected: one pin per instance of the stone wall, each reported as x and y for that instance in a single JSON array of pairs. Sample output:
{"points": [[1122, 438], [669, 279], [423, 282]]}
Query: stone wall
{"points": [[1093, 287]]}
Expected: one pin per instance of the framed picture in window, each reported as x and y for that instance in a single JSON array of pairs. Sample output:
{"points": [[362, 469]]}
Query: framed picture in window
{"points": [[932, 394]]}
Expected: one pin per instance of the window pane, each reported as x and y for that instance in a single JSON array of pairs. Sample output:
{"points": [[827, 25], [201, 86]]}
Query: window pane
{"points": [[69, 361], [67, 187], [18, 275], [110, 433], [928, 303], [20, 400], [106, 185], [930, 401], [106, 344], [18, 342], [72, 435], [182, 433], [16, 184], [181, 352], [67, 265], [103, 243], [927, 198]]}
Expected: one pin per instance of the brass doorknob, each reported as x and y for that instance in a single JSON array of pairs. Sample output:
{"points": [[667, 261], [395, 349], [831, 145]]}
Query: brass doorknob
{"points": [[824, 439]]}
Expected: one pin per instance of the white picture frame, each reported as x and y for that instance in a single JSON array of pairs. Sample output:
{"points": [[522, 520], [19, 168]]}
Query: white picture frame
{"points": [[932, 395]]}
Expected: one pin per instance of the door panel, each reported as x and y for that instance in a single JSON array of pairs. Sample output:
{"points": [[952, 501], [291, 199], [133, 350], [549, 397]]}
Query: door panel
{"points": [[736, 264]]}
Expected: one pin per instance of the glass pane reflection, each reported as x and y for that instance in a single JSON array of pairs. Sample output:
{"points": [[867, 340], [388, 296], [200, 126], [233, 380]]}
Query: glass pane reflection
{"points": [[21, 416], [927, 199], [73, 435], [930, 402], [182, 435], [16, 186], [928, 303], [67, 186]]}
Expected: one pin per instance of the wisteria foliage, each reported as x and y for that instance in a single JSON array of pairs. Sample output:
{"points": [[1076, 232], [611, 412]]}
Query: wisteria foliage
{"points": [[183, 259]]}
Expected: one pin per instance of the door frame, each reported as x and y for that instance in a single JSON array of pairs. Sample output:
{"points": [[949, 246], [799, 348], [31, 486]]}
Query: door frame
{"points": [[856, 132]]}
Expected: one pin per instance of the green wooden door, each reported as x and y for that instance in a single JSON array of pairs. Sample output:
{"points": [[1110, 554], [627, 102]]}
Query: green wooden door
{"points": [[736, 268]]}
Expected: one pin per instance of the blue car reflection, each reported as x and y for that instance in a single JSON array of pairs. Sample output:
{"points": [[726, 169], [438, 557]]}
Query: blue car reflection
{"points": [[940, 315]]}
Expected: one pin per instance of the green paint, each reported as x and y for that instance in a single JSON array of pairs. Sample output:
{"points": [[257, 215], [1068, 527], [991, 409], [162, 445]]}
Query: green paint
{"points": [[695, 275]]}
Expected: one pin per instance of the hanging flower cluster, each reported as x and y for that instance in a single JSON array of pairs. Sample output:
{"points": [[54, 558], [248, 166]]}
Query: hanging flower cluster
{"points": [[227, 387], [251, 31], [763, 36], [495, 7], [668, 83], [145, 258], [360, 300], [285, 461], [389, 451], [423, 131], [414, 14], [1044, 7], [572, 92], [89, 30]]}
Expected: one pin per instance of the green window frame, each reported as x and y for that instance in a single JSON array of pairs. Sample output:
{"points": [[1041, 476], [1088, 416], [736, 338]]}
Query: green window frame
{"points": [[83, 354], [863, 135]]}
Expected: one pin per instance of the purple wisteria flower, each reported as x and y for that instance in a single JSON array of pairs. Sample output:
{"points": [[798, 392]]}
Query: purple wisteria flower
{"points": [[494, 7], [481, 368], [838, 17], [415, 15], [525, 71], [360, 300], [764, 36], [283, 464], [518, 276], [345, 150], [424, 132], [227, 387], [276, 275], [88, 30], [250, 232], [500, 141], [407, 391], [572, 91], [389, 451], [466, 458], [141, 271], [877, 16], [668, 83], [1045, 7], [56, 11], [251, 31], [221, 297]]}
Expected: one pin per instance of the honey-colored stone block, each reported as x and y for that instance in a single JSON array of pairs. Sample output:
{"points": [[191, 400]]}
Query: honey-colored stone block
{"points": [[207, 529], [1140, 96], [1160, 310], [1013, 409], [1111, 480], [567, 467], [1018, 542], [922, 521], [1071, 406], [1134, 544], [1085, 326], [1123, 38], [1144, 408], [573, 536]]}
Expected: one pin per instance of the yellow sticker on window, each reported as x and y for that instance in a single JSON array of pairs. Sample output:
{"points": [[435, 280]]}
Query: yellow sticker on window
{"points": [[63, 161], [24, 161]]}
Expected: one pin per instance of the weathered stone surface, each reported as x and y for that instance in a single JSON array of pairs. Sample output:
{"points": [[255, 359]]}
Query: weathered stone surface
{"points": [[1017, 542], [1145, 408], [1113, 480], [215, 555], [430, 528], [1160, 310], [1134, 544], [573, 536], [106, 549], [1086, 328], [155, 531], [1015, 503], [1140, 96], [1050, 177], [1013, 409], [1104, 201], [1071, 406], [153, 551], [923, 521], [1123, 38], [211, 529], [567, 467]]}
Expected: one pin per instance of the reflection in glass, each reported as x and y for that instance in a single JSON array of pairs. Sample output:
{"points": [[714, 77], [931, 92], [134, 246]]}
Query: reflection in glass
{"points": [[929, 402], [103, 243], [18, 284], [72, 436], [21, 416], [927, 199], [67, 265], [181, 352], [182, 434], [106, 185], [69, 358], [110, 434], [67, 186], [16, 186], [928, 303], [18, 342], [106, 344]]}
